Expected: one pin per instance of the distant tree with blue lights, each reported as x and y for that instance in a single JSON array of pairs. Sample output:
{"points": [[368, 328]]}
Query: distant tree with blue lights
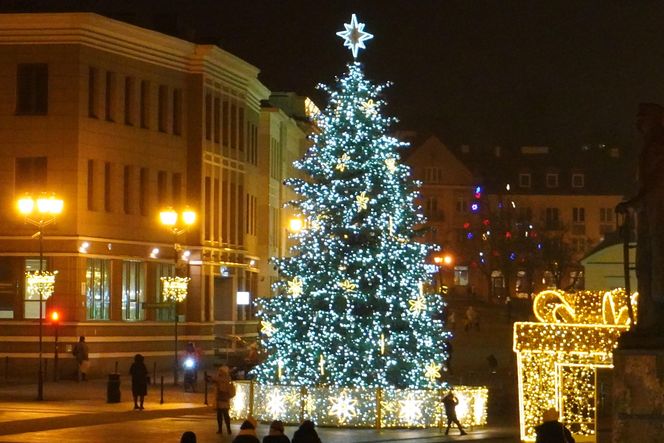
{"points": [[497, 236], [350, 309]]}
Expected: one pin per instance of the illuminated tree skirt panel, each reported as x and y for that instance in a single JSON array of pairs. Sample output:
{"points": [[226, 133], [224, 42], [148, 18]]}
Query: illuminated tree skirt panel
{"points": [[329, 406]]}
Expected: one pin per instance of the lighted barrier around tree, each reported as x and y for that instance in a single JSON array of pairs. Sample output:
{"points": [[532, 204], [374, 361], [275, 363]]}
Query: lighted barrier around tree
{"points": [[558, 357], [361, 407]]}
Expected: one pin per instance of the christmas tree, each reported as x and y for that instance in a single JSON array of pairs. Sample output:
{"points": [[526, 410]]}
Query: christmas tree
{"points": [[350, 310]]}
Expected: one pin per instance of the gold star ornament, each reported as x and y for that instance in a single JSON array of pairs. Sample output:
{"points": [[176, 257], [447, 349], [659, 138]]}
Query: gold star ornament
{"points": [[362, 200], [432, 371], [347, 285], [369, 108], [418, 305], [267, 328], [343, 162], [295, 287]]}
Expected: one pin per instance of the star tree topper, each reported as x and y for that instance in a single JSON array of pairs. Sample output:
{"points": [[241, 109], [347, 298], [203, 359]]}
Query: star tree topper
{"points": [[354, 35]]}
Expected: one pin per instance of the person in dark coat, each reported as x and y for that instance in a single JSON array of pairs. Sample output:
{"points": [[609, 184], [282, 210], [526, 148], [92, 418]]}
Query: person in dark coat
{"points": [[247, 432], [276, 434], [552, 431], [306, 433], [450, 403], [188, 437], [139, 381]]}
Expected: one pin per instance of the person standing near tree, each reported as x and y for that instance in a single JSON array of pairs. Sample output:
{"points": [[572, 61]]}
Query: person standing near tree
{"points": [[551, 430], [80, 353], [450, 403], [225, 392]]}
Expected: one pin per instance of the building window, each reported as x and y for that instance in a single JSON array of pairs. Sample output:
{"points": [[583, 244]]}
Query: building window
{"points": [[91, 185], [93, 92], [129, 101], [165, 310], [461, 205], [31, 298], [208, 117], [30, 174], [578, 180], [110, 96], [162, 187], [177, 112], [606, 220], [275, 159], [98, 289], [126, 198], [433, 175], [177, 189], [162, 108], [145, 104], [133, 294], [107, 187], [525, 213], [551, 180], [143, 191], [32, 89], [552, 220], [461, 276], [578, 221], [524, 180]]}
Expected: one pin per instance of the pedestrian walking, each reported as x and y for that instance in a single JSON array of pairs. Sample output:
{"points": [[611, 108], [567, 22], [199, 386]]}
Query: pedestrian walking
{"points": [[276, 434], [80, 352], [188, 437], [551, 430], [225, 392], [306, 433], [472, 319], [247, 432], [450, 403], [139, 381]]}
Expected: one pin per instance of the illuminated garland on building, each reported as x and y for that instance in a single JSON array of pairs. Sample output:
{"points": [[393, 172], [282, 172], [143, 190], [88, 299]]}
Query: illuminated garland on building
{"points": [[40, 282], [558, 358], [175, 289]]}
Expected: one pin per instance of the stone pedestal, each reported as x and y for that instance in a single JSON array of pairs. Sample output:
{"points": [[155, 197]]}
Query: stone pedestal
{"points": [[638, 396]]}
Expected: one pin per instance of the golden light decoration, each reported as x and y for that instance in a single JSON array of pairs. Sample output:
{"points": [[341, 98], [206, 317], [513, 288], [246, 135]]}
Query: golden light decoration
{"points": [[174, 289], [381, 343], [391, 164], [40, 282], [356, 407], [343, 407], [343, 162], [370, 108], [267, 328], [432, 371], [347, 285], [321, 365], [362, 200], [295, 287], [418, 305], [558, 358]]}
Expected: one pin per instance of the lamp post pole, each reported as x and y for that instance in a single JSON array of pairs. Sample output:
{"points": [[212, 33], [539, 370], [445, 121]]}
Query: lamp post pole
{"points": [[46, 207], [175, 309]]}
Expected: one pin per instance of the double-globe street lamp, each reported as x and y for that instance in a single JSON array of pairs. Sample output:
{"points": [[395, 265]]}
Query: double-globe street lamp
{"points": [[175, 288], [40, 212]]}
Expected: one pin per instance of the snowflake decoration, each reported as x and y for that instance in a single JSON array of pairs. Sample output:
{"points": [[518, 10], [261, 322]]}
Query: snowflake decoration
{"points": [[418, 305], [354, 35], [275, 403], [267, 328], [295, 287], [347, 285], [432, 371], [343, 162], [362, 200], [410, 409], [343, 407], [391, 164]]}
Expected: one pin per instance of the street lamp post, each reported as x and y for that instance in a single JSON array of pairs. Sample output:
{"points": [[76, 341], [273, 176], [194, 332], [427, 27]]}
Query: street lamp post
{"points": [[175, 288], [40, 212]]}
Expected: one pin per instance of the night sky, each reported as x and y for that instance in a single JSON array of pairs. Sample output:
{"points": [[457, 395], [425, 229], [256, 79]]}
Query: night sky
{"points": [[557, 73]]}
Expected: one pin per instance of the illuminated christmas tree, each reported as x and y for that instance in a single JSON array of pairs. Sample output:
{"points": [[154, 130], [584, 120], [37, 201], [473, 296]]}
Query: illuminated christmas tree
{"points": [[351, 311]]}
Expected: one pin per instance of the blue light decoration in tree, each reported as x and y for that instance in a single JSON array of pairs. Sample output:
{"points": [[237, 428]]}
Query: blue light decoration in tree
{"points": [[350, 309]]}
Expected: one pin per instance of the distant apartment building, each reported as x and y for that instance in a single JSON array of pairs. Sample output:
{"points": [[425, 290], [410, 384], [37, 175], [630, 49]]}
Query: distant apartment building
{"points": [[566, 196], [121, 122]]}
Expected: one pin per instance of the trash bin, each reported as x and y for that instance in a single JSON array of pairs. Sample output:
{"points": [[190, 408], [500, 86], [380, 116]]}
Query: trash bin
{"points": [[113, 389]]}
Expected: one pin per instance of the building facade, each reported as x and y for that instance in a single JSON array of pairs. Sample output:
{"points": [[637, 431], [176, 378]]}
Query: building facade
{"points": [[121, 122]]}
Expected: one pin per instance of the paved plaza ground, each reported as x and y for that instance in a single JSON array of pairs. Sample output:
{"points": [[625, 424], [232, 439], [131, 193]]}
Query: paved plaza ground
{"points": [[77, 412]]}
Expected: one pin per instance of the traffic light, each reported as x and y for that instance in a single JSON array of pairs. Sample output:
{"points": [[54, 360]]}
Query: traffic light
{"points": [[55, 317]]}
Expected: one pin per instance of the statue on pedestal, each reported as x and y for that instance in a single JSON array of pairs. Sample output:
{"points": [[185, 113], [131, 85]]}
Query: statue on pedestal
{"points": [[648, 205]]}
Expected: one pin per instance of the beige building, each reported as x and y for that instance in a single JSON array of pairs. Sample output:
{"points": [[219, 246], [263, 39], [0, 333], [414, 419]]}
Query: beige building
{"points": [[120, 122]]}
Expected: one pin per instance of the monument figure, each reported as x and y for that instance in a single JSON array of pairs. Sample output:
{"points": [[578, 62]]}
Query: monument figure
{"points": [[648, 205]]}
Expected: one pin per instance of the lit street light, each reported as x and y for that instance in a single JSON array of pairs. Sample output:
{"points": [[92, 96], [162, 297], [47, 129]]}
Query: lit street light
{"points": [[40, 212], [175, 288]]}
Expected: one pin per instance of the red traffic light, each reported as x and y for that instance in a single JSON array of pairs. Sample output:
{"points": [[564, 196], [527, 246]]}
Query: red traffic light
{"points": [[55, 316]]}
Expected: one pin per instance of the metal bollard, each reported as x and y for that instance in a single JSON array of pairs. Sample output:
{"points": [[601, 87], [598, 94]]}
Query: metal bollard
{"points": [[161, 402], [205, 376]]}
